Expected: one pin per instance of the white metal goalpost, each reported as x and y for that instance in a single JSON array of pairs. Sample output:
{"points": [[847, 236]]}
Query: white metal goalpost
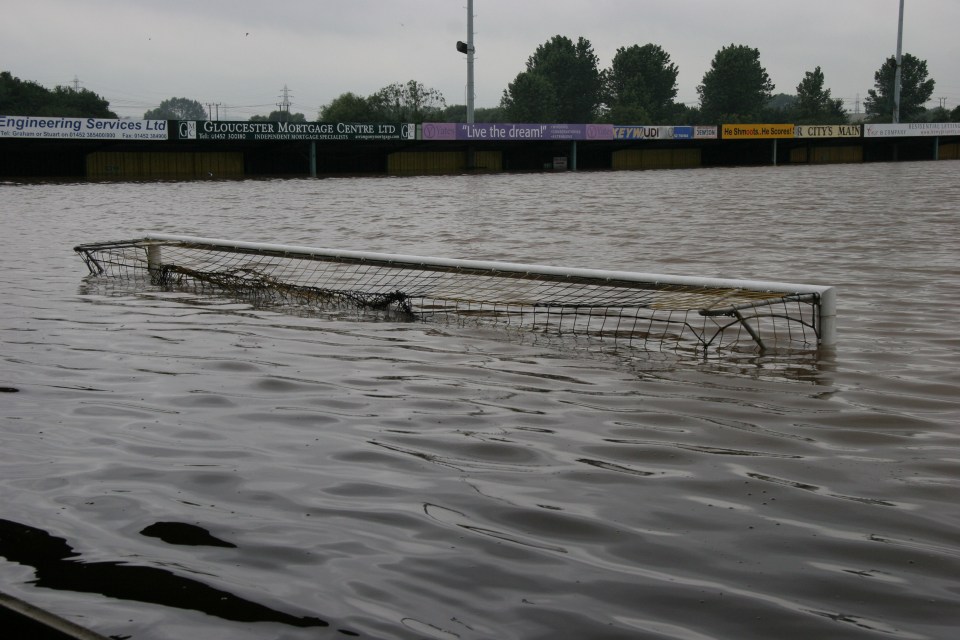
{"points": [[637, 308]]}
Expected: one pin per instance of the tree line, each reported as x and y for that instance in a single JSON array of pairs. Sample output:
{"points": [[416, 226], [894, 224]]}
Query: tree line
{"points": [[24, 98], [563, 82]]}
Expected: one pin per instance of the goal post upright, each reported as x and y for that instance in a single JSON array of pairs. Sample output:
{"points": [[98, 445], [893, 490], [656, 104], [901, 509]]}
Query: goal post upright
{"points": [[828, 318], [154, 260]]}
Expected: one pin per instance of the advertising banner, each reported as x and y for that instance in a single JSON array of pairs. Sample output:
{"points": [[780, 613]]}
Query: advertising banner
{"points": [[464, 131], [702, 132], [683, 133], [81, 128], [641, 132], [756, 131], [225, 130], [827, 130], [905, 130]]}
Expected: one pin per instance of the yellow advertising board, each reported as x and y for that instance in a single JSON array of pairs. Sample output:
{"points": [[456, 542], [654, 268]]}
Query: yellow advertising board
{"points": [[828, 130], [755, 131]]}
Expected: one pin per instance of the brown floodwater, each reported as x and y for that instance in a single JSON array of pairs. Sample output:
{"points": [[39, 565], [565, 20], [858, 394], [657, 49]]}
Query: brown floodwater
{"points": [[177, 464]]}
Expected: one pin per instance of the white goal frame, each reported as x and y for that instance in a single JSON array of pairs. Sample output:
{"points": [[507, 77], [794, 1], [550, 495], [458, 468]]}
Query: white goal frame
{"points": [[711, 297]]}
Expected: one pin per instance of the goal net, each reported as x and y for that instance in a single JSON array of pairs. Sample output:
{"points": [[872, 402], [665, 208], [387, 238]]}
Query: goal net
{"points": [[636, 308]]}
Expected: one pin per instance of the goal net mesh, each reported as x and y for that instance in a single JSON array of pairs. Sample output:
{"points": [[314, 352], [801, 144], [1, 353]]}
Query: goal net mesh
{"points": [[609, 305]]}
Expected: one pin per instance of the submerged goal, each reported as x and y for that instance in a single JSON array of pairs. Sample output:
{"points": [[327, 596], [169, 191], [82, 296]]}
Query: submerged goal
{"points": [[636, 308]]}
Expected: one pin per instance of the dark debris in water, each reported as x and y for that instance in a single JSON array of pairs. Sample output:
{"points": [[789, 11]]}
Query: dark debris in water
{"points": [[184, 534]]}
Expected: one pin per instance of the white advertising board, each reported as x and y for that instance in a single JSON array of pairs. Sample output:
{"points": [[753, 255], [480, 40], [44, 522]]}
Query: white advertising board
{"points": [[81, 128], [911, 129]]}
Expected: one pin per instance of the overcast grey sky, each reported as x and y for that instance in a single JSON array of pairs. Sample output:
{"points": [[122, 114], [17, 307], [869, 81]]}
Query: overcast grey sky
{"points": [[241, 53]]}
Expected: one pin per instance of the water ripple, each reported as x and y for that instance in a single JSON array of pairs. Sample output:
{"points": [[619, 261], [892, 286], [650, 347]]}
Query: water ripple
{"points": [[402, 480]]}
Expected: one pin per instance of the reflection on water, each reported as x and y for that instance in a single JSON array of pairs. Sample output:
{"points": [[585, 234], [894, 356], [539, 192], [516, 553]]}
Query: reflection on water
{"points": [[398, 479], [56, 568]]}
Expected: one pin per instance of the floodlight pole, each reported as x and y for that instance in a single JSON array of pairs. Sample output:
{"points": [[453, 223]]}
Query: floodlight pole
{"points": [[470, 61], [896, 77]]}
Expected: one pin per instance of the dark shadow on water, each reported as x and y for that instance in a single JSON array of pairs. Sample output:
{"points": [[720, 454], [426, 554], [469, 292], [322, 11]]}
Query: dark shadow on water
{"points": [[57, 567]]}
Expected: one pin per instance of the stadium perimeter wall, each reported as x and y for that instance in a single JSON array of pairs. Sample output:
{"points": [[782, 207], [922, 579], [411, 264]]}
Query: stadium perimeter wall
{"points": [[120, 161], [155, 151]]}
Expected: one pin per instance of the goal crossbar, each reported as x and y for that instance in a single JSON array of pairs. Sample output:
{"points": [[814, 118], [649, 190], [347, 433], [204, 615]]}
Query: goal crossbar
{"points": [[621, 305]]}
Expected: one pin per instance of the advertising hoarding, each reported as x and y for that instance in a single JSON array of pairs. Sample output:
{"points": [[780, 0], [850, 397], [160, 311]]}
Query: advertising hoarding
{"points": [[642, 132], [226, 130], [513, 131], [705, 132], [756, 131], [81, 128], [827, 130], [911, 129]]}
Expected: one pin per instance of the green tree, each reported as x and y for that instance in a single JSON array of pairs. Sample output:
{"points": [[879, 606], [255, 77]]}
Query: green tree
{"points": [[736, 87], [682, 114], [530, 98], [24, 98], [641, 85], [177, 109], [915, 90], [937, 114], [781, 107], [955, 115], [562, 83], [79, 103], [488, 114], [458, 113], [407, 102], [19, 97], [814, 103], [280, 116], [347, 107]]}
